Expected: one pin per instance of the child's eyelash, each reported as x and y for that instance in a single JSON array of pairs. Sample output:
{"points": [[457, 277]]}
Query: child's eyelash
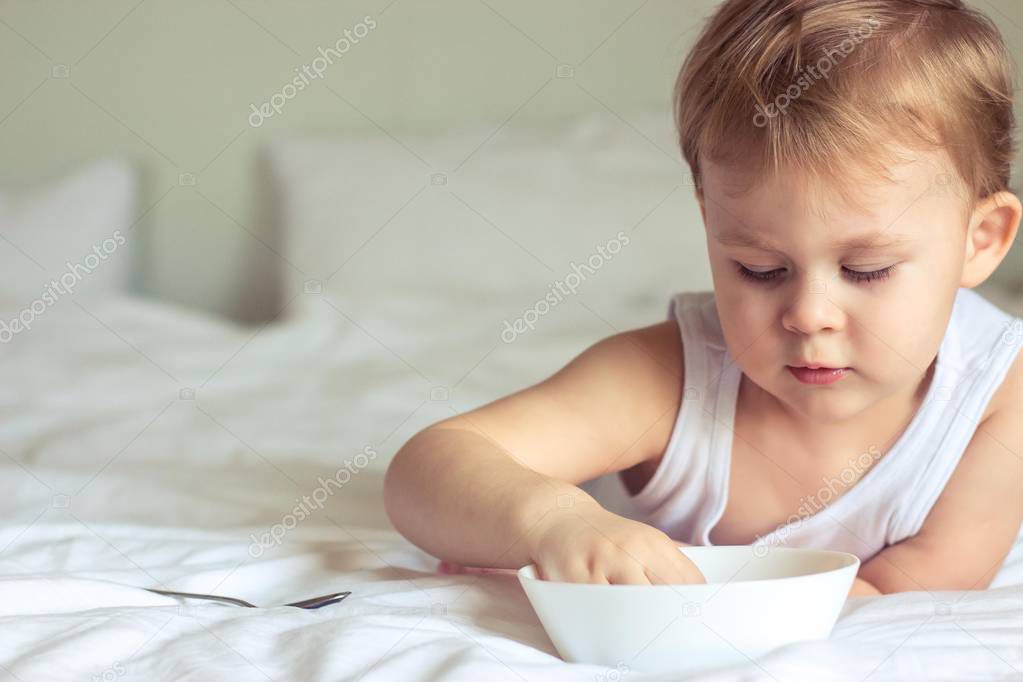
{"points": [[883, 273], [854, 275]]}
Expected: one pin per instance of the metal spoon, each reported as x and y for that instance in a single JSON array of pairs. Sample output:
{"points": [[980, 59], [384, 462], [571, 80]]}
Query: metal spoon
{"points": [[313, 603]]}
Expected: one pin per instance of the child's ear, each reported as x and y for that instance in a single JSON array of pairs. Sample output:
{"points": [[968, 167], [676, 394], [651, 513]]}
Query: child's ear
{"points": [[991, 232], [703, 211]]}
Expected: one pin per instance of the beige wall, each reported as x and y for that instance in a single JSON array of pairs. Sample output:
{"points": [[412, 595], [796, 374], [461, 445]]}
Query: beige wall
{"points": [[171, 83]]}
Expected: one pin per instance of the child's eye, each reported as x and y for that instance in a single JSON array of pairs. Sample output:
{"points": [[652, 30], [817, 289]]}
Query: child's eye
{"points": [[854, 275], [868, 276], [757, 276]]}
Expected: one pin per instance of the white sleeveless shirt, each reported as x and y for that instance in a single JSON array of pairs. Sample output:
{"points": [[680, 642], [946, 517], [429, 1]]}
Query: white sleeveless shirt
{"points": [[687, 494]]}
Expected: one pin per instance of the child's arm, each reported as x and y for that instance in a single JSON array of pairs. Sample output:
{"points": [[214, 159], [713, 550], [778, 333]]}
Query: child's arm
{"points": [[496, 486], [971, 528], [861, 588]]}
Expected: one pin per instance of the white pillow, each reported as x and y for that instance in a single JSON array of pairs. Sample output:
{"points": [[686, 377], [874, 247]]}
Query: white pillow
{"points": [[498, 211], [68, 236], [455, 251]]}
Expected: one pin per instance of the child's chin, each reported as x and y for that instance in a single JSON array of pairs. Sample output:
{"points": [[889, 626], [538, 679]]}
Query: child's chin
{"points": [[823, 406]]}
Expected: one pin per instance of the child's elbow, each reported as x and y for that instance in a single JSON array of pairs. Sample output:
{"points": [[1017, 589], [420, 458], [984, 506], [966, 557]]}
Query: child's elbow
{"points": [[395, 483], [402, 480]]}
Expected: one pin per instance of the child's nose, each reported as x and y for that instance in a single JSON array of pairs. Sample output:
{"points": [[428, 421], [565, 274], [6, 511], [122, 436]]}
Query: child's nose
{"points": [[809, 309]]}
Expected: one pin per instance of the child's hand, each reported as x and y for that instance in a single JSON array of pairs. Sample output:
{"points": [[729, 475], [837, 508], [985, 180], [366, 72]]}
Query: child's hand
{"points": [[588, 544]]}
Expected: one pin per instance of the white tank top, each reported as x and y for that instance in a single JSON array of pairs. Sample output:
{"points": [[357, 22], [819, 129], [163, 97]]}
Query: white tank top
{"points": [[687, 494]]}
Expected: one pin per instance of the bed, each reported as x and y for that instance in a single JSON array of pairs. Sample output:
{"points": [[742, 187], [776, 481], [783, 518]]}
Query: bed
{"points": [[146, 445]]}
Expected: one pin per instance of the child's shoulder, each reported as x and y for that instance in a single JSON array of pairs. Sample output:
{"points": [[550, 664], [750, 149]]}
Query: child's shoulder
{"points": [[650, 359], [1008, 397], [691, 315], [984, 331], [695, 315], [692, 322]]}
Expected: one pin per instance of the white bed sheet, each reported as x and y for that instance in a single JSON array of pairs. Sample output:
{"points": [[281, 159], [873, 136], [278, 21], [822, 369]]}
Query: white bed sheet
{"points": [[142, 444]]}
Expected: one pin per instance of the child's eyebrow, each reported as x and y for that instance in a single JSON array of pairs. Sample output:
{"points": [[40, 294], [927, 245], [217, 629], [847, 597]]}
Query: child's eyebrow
{"points": [[877, 240]]}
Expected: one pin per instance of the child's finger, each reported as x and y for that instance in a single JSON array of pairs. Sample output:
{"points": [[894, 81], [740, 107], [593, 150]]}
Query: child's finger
{"points": [[671, 568], [692, 573], [571, 572], [628, 572]]}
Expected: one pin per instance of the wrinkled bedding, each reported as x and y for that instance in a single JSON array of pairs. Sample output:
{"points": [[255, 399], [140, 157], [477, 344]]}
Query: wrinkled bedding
{"points": [[144, 445]]}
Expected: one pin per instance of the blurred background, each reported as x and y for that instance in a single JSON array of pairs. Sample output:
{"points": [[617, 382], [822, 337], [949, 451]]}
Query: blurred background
{"points": [[517, 134], [445, 98]]}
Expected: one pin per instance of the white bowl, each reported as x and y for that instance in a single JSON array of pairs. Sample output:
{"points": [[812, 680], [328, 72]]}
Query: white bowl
{"points": [[756, 599]]}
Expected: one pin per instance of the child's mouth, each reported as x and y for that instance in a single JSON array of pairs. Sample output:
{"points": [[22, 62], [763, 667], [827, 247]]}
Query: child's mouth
{"points": [[817, 375]]}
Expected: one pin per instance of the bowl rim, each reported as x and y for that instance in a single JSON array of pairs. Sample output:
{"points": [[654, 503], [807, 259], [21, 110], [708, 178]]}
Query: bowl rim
{"points": [[852, 559]]}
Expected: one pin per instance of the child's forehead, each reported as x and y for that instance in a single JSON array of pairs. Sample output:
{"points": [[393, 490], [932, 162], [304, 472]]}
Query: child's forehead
{"points": [[850, 191]]}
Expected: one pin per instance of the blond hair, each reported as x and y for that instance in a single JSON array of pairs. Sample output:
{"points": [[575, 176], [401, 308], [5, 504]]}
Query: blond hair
{"points": [[825, 86]]}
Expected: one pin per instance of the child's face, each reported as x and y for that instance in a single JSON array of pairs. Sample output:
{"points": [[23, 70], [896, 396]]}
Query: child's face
{"points": [[879, 310]]}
